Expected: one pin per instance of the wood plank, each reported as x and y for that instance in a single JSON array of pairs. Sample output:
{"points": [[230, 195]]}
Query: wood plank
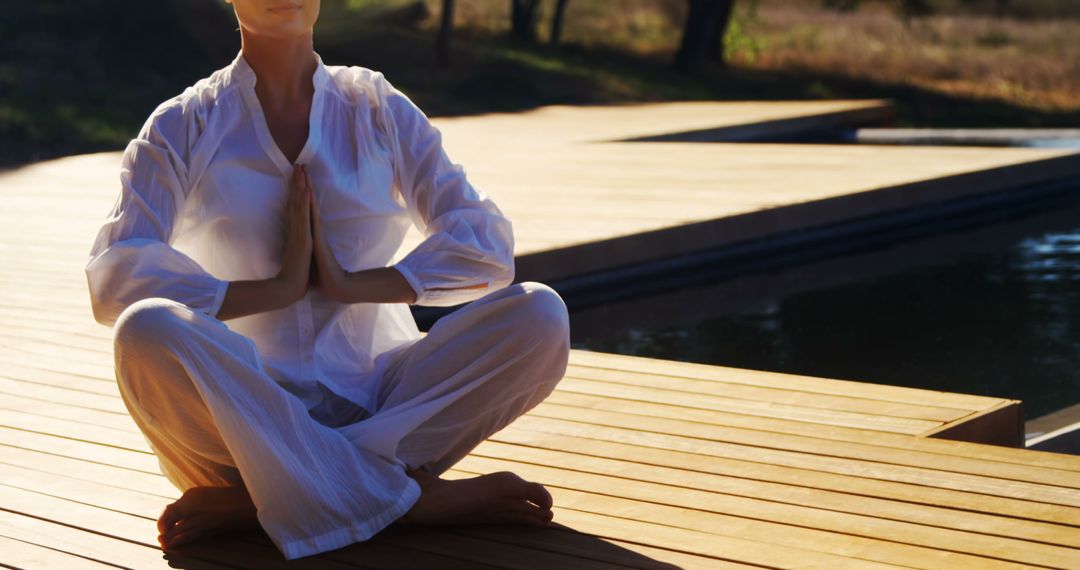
{"points": [[127, 480], [1052, 482], [119, 421], [108, 387], [120, 479], [126, 495], [101, 366], [743, 486], [31, 356], [812, 496], [87, 431], [22, 554], [627, 554], [722, 548], [724, 374], [13, 439], [108, 442], [48, 374], [110, 404], [117, 499], [125, 439], [53, 334], [872, 437], [969, 511], [564, 397], [445, 547], [496, 554], [139, 532], [774, 394], [834, 463], [804, 426], [562, 125], [87, 541], [153, 484], [582, 485], [762, 408]]}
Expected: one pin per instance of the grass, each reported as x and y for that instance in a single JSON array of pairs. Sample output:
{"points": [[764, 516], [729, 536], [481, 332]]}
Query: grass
{"points": [[1032, 64], [78, 78]]}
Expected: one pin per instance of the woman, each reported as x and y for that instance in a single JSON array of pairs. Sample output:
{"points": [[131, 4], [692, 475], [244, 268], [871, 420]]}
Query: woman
{"points": [[272, 195]]}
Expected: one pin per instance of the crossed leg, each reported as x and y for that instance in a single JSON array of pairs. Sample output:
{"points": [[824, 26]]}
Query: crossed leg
{"points": [[475, 372]]}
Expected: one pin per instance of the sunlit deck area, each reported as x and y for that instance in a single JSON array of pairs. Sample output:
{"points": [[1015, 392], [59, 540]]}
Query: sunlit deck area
{"points": [[652, 464]]}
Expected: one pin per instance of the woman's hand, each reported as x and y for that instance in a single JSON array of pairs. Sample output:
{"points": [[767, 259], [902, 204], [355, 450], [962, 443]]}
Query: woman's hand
{"points": [[250, 297], [296, 263], [327, 276]]}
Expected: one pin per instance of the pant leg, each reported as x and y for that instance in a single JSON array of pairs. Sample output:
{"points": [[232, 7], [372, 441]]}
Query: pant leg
{"points": [[476, 371], [210, 412]]}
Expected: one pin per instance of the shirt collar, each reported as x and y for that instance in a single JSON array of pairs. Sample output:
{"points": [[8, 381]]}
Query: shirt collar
{"points": [[243, 72]]}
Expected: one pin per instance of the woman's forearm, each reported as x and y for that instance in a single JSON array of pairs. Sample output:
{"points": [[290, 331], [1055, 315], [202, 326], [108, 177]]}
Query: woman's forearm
{"points": [[244, 298], [379, 285]]}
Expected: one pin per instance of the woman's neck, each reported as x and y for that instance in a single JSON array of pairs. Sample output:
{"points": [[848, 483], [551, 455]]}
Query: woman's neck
{"points": [[283, 67]]}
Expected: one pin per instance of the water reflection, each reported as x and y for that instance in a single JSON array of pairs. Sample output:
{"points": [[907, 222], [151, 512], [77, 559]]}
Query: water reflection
{"points": [[993, 311]]}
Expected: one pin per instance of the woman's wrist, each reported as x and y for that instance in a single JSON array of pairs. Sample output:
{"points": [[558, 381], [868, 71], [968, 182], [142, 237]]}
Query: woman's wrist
{"points": [[379, 285], [284, 290], [244, 298]]}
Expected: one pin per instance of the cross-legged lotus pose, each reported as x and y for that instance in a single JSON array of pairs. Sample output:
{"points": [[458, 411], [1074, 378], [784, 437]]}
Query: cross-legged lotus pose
{"points": [[263, 340]]}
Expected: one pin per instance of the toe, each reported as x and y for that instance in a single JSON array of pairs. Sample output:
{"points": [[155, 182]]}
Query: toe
{"points": [[527, 513], [536, 494], [166, 539], [168, 518], [183, 532], [182, 538], [535, 518]]}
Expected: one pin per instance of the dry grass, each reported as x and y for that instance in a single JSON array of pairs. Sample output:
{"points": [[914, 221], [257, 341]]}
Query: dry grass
{"points": [[1025, 62], [1029, 63]]}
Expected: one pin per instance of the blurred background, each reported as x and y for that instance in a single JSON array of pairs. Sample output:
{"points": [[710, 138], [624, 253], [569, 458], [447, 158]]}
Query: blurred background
{"points": [[83, 76]]}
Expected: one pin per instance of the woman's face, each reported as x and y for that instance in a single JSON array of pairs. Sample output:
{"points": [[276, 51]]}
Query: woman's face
{"points": [[276, 18]]}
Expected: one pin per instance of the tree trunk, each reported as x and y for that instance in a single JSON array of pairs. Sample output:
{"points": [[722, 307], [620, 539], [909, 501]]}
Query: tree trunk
{"points": [[446, 27], [701, 20], [557, 21], [523, 19], [714, 48]]}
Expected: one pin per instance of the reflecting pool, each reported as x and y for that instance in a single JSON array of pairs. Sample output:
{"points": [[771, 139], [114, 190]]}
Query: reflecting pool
{"points": [[992, 311]]}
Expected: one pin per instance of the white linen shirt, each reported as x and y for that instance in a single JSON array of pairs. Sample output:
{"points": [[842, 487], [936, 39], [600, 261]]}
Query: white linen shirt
{"points": [[202, 203]]}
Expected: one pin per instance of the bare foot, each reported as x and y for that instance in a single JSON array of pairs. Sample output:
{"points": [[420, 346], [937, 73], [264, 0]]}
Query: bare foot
{"points": [[494, 498], [205, 511]]}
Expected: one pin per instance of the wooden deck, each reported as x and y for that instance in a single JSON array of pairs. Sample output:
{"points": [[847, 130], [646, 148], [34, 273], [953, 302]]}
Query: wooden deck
{"points": [[583, 201], [653, 464]]}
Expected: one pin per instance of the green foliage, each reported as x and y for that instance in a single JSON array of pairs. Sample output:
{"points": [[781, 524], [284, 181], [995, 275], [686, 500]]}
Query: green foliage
{"points": [[364, 4], [82, 76], [738, 43]]}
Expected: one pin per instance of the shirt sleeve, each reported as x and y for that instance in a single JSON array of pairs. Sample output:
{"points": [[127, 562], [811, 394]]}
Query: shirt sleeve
{"points": [[132, 258], [469, 246]]}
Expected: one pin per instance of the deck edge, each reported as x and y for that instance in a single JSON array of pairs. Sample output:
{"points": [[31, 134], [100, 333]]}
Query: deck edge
{"points": [[1002, 424]]}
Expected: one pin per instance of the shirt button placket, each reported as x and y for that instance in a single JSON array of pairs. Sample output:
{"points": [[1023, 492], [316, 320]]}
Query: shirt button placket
{"points": [[307, 337]]}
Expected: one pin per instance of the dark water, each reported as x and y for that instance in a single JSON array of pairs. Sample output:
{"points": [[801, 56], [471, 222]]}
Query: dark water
{"points": [[992, 311]]}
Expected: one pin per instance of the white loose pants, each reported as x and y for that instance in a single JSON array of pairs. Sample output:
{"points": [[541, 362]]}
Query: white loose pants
{"points": [[334, 475]]}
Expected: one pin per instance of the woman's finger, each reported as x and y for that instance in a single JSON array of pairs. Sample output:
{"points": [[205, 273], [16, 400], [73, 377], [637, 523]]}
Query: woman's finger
{"points": [[296, 197], [308, 195], [316, 216]]}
